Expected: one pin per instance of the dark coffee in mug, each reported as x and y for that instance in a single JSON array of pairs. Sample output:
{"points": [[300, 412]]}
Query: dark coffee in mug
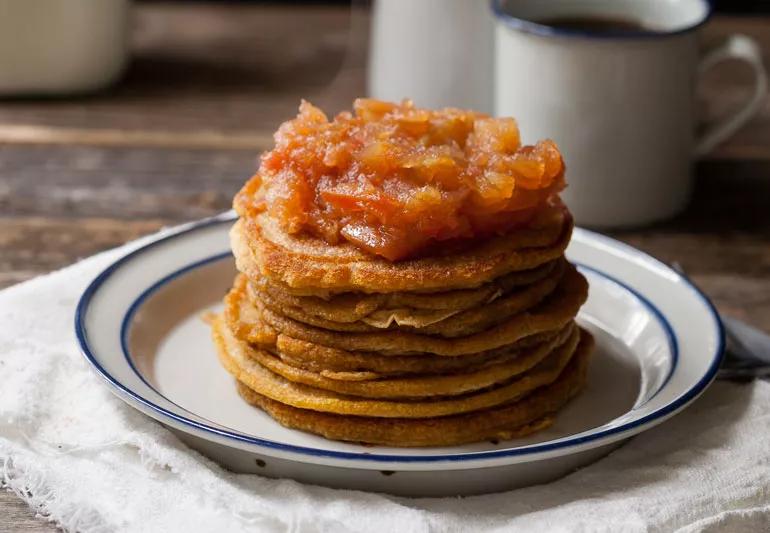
{"points": [[595, 24]]}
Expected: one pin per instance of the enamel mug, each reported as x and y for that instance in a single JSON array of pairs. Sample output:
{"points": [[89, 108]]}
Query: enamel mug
{"points": [[620, 105]]}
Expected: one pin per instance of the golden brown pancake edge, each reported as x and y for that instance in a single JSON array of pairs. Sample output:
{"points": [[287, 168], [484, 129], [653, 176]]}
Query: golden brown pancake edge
{"points": [[530, 414]]}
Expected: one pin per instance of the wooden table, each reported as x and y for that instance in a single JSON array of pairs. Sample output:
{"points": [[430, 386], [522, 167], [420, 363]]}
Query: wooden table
{"points": [[209, 84]]}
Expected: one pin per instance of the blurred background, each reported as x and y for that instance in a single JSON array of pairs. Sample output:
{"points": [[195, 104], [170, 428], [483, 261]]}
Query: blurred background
{"points": [[203, 87]]}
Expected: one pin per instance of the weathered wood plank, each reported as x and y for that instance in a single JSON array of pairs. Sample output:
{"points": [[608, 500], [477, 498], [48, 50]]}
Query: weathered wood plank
{"points": [[35, 245], [17, 517], [60, 181]]}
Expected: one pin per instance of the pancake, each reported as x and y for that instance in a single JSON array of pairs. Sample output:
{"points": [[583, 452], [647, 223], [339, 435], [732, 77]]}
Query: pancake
{"points": [[445, 323], [363, 324], [245, 320], [258, 325], [262, 248], [234, 357], [532, 413], [553, 313], [355, 306], [361, 366], [423, 386], [479, 318]]}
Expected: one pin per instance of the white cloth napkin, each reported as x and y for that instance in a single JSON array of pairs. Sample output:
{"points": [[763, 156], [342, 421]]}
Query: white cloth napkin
{"points": [[87, 461]]}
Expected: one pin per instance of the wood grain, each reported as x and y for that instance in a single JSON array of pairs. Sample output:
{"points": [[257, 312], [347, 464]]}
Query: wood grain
{"points": [[17, 517], [207, 86], [722, 241]]}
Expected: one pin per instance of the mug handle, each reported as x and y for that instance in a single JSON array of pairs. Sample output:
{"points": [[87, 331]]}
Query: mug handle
{"points": [[746, 49]]}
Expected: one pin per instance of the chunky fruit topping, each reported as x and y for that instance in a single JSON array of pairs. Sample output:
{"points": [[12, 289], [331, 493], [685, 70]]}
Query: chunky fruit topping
{"points": [[396, 180]]}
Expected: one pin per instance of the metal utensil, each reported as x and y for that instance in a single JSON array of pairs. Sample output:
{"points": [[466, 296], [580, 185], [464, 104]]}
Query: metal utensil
{"points": [[747, 350], [747, 354]]}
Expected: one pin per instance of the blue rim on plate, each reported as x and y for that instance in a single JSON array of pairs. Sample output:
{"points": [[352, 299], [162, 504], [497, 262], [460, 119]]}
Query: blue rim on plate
{"points": [[137, 303], [545, 30], [671, 338], [566, 442]]}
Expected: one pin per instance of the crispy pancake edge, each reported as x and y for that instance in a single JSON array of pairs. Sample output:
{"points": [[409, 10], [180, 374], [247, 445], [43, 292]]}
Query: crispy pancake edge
{"points": [[244, 369], [444, 323], [553, 313], [453, 384], [533, 413]]}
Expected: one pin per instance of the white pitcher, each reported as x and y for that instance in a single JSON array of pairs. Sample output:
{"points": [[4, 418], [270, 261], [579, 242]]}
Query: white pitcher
{"points": [[439, 53]]}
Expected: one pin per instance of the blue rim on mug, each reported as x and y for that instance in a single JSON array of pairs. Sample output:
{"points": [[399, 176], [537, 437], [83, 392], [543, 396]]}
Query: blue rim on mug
{"points": [[545, 30]]}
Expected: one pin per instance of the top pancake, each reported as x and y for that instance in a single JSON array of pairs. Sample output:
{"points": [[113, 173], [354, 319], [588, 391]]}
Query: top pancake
{"points": [[309, 264]]}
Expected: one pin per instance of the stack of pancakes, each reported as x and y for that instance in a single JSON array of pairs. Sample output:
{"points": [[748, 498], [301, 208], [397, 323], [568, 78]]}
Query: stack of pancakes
{"points": [[473, 343]]}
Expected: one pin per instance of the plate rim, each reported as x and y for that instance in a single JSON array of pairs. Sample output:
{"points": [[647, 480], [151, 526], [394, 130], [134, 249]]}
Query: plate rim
{"points": [[136, 304], [567, 444]]}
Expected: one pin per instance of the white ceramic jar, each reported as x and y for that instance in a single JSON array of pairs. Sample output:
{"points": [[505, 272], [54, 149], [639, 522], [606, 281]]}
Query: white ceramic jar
{"points": [[50, 47], [439, 53]]}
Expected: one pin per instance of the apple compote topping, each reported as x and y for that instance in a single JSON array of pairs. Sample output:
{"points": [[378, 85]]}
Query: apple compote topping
{"points": [[395, 179]]}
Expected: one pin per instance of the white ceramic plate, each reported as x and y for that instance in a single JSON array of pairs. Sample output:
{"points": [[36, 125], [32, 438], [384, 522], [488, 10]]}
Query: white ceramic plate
{"points": [[659, 344]]}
